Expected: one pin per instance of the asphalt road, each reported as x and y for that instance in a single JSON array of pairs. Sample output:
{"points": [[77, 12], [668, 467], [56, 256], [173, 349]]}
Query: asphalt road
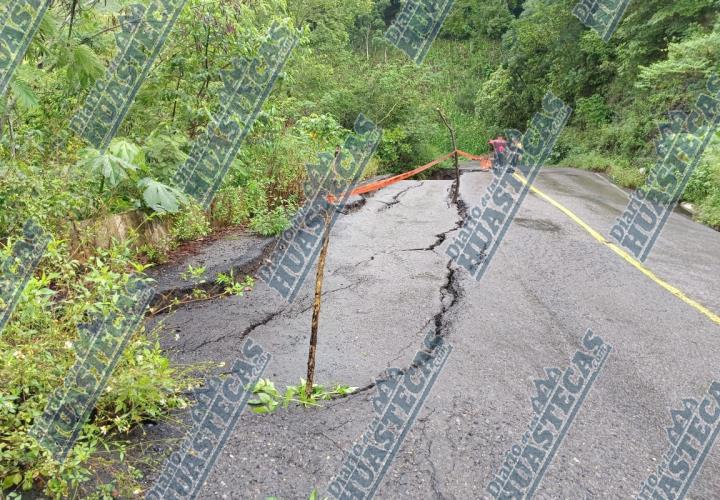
{"points": [[388, 283]]}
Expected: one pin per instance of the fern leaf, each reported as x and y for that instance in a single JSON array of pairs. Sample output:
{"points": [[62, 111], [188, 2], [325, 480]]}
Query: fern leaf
{"points": [[84, 66], [24, 95]]}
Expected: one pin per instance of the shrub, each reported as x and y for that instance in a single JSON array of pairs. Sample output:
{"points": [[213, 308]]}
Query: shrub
{"points": [[620, 170], [493, 101], [709, 212], [591, 111], [701, 185], [270, 222], [625, 174], [229, 207], [190, 224], [36, 352], [587, 161], [706, 178], [396, 150]]}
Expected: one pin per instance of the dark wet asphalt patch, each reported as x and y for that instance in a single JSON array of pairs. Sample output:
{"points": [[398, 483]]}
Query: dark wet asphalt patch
{"points": [[538, 224]]}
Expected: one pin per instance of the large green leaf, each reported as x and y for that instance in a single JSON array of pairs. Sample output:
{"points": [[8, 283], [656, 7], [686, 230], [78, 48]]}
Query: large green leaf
{"points": [[161, 197], [113, 168], [24, 95], [126, 151]]}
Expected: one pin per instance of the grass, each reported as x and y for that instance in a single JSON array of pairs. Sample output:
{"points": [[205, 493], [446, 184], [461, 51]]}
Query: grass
{"points": [[619, 169], [709, 210]]}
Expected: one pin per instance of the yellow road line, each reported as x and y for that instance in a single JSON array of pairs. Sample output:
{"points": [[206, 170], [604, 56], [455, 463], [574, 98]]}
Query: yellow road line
{"points": [[622, 253]]}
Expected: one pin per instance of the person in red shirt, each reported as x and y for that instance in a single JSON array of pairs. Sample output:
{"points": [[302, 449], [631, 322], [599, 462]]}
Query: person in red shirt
{"points": [[499, 145]]}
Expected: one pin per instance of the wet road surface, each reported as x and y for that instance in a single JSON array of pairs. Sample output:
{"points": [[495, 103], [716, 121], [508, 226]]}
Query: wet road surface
{"points": [[388, 283]]}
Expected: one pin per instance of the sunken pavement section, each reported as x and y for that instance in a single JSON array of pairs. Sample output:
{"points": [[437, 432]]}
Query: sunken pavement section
{"points": [[388, 283]]}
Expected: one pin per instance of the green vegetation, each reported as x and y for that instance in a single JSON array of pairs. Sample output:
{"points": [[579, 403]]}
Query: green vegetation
{"points": [[268, 398], [314, 495], [488, 70], [36, 352], [658, 60]]}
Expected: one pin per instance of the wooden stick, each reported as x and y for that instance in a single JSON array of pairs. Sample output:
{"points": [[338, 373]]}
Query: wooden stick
{"points": [[455, 155], [318, 290], [316, 307]]}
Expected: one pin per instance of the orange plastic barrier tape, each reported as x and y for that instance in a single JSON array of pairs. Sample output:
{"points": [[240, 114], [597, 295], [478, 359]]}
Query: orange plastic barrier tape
{"points": [[470, 156], [485, 162], [374, 186]]}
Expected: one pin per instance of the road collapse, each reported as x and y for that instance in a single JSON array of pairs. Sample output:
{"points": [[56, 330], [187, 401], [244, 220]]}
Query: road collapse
{"points": [[297, 248]]}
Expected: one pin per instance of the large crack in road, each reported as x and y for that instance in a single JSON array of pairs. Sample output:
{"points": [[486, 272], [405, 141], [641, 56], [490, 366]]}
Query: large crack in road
{"points": [[395, 200], [388, 282], [200, 330], [376, 307]]}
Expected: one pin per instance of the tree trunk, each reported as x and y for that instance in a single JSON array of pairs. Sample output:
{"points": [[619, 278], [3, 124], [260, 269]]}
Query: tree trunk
{"points": [[73, 8], [177, 89], [367, 44], [5, 118]]}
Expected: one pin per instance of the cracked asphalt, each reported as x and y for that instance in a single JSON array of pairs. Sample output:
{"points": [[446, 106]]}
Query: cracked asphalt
{"points": [[388, 282]]}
